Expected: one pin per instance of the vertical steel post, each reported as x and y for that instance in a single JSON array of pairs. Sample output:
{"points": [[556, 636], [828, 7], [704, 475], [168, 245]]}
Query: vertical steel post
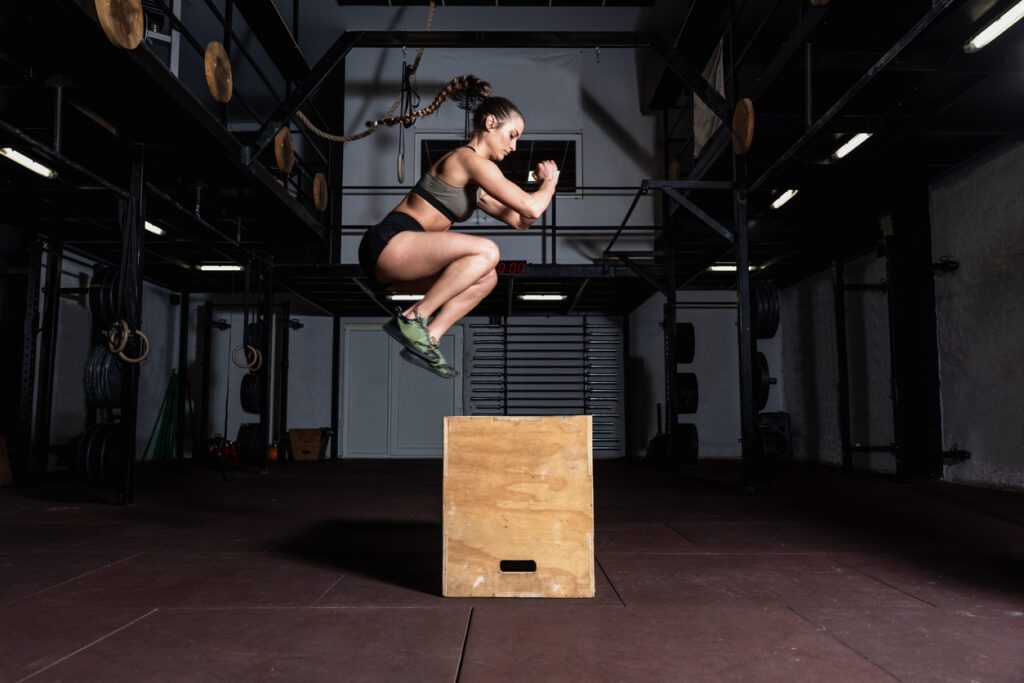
{"points": [[267, 316], [669, 322], [205, 353], [183, 320], [336, 181], [48, 354], [132, 306], [26, 401], [335, 383], [753, 467], [839, 293], [282, 384]]}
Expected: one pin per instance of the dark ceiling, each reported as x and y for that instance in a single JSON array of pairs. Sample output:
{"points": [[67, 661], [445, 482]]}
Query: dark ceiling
{"points": [[931, 108], [503, 3]]}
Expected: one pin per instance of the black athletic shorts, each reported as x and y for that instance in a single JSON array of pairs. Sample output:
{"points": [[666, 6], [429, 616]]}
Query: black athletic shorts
{"points": [[377, 237]]}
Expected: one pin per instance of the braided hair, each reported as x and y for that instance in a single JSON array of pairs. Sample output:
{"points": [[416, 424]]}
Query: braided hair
{"points": [[467, 83]]}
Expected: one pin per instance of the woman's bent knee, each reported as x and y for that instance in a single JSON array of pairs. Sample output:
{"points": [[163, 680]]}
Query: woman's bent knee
{"points": [[489, 250]]}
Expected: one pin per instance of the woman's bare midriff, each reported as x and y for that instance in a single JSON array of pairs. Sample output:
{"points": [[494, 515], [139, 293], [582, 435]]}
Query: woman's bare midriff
{"points": [[430, 218]]}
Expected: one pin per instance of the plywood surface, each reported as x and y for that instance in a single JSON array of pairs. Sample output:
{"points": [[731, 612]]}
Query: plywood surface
{"points": [[518, 489]]}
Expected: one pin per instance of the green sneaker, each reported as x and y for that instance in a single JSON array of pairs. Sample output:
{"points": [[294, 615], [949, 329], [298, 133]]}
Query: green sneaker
{"points": [[441, 368], [413, 335]]}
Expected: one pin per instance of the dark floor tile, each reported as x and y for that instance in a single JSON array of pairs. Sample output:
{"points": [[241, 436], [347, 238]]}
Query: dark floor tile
{"points": [[989, 583], [737, 579], [201, 580], [25, 574], [572, 644], [769, 537], [355, 645], [640, 538], [32, 639], [946, 645]]}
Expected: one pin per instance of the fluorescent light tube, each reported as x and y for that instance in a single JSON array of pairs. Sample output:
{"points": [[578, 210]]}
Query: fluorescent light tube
{"points": [[729, 267], [219, 267], [783, 198], [851, 144], [31, 164], [405, 297], [150, 227], [543, 297], [996, 28]]}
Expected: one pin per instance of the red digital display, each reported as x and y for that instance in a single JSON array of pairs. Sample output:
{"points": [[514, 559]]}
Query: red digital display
{"points": [[511, 267]]}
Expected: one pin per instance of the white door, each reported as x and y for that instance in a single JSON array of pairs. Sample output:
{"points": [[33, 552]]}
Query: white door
{"points": [[391, 407]]}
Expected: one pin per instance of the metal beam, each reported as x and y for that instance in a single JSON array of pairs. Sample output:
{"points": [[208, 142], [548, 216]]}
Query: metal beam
{"points": [[938, 7], [694, 79], [690, 184], [699, 213], [345, 42], [579, 295], [660, 286], [507, 39], [270, 29]]}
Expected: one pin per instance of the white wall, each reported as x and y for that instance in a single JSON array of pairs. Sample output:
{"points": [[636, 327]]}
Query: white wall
{"points": [[978, 220]]}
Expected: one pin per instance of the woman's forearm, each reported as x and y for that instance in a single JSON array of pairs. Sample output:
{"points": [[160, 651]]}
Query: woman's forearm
{"points": [[540, 200]]}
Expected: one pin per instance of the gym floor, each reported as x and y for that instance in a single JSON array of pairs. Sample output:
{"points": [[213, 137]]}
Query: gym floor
{"points": [[331, 571]]}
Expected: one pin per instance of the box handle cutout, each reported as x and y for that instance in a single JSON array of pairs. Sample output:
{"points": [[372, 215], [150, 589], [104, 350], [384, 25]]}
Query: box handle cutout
{"points": [[518, 566]]}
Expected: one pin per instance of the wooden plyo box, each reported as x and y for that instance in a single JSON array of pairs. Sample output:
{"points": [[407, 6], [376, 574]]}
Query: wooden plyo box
{"points": [[518, 507]]}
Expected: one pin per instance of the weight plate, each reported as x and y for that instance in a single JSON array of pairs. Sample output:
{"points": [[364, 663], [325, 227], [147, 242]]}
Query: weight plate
{"points": [[686, 393], [686, 442], [685, 342]]}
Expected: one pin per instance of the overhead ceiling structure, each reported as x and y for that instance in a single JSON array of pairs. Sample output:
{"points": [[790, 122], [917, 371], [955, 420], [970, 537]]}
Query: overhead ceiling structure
{"points": [[818, 74]]}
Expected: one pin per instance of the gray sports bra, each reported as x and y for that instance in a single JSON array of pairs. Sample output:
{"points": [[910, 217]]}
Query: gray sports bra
{"points": [[455, 203]]}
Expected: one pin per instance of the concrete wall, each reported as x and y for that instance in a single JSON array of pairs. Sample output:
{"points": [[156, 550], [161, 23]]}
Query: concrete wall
{"points": [[716, 364], [977, 220], [811, 366]]}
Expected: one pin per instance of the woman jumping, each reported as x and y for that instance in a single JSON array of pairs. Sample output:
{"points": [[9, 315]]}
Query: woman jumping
{"points": [[413, 250]]}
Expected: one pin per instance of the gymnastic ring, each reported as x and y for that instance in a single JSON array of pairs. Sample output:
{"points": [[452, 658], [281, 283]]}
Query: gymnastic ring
{"points": [[117, 337], [259, 361], [249, 351], [145, 349]]}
